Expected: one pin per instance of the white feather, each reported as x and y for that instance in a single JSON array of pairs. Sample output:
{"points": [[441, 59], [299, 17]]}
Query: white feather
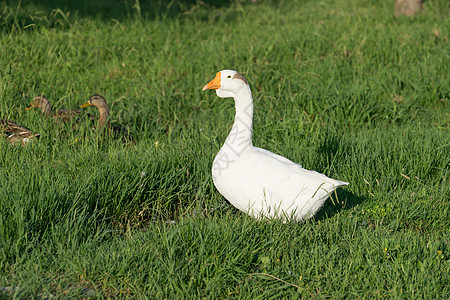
{"points": [[257, 181]]}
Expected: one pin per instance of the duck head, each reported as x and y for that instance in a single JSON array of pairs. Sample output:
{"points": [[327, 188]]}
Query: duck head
{"points": [[99, 102], [41, 102], [95, 100], [227, 83]]}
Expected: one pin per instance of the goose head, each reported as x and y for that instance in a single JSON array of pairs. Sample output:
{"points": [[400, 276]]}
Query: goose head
{"points": [[227, 83], [41, 102]]}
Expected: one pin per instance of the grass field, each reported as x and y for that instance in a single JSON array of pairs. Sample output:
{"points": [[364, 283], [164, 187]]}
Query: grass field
{"points": [[341, 87]]}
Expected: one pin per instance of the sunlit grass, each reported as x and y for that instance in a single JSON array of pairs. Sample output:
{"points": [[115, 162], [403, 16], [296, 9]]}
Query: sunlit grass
{"points": [[343, 88]]}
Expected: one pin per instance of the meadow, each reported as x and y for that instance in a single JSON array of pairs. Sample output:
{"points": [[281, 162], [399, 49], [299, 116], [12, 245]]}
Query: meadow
{"points": [[341, 87]]}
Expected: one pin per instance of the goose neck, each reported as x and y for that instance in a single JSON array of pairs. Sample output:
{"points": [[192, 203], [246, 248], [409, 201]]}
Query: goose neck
{"points": [[240, 137]]}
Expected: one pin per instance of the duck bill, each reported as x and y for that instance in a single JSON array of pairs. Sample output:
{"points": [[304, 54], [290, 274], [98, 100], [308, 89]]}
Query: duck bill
{"points": [[85, 104], [213, 84], [29, 107]]}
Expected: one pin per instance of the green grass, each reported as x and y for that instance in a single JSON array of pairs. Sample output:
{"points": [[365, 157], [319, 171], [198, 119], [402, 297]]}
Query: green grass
{"points": [[341, 87]]}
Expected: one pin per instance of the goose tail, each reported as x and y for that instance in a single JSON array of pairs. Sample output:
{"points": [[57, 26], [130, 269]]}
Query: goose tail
{"points": [[340, 183]]}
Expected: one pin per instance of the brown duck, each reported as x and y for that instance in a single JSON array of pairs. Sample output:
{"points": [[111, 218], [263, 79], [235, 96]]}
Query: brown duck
{"points": [[15, 133], [103, 121], [42, 102]]}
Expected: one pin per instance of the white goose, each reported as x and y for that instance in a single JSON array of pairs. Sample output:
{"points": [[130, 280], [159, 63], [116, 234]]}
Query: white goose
{"points": [[256, 181]]}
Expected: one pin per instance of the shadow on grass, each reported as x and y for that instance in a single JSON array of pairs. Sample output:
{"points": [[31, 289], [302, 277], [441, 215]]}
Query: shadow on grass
{"points": [[341, 201], [332, 147], [25, 13]]}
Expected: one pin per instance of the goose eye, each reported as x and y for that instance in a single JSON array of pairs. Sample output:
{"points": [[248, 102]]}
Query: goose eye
{"points": [[229, 76]]}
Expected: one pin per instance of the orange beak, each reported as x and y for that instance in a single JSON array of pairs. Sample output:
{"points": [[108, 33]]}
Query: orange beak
{"points": [[88, 103], [213, 84], [30, 106]]}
